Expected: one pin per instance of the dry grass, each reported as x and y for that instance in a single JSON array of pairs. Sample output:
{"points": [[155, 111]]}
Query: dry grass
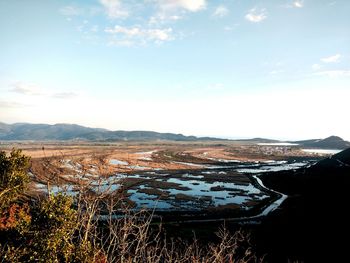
{"points": [[135, 153], [131, 237]]}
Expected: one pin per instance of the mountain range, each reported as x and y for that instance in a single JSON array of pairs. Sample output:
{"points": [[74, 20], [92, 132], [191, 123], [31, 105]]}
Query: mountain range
{"points": [[65, 132], [40, 132]]}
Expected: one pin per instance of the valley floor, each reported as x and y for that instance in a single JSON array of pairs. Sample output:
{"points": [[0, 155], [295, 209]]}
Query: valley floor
{"points": [[199, 186], [209, 179]]}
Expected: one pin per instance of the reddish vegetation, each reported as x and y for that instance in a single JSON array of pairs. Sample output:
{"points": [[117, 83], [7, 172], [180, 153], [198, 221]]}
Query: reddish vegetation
{"points": [[14, 216]]}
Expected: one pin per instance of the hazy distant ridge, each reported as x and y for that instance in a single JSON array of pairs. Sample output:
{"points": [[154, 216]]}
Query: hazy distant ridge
{"points": [[65, 132], [26, 131]]}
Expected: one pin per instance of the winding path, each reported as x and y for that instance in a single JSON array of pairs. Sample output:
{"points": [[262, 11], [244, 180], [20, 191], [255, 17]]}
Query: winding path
{"points": [[274, 205], [265, 211]]}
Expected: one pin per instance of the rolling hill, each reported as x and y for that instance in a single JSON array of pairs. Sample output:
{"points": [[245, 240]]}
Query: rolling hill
{"points": [[66, 132], [41, 132], [332, 142]]}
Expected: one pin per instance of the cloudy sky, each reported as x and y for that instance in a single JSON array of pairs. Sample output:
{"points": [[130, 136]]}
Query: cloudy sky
{"points": [[233, 68]]}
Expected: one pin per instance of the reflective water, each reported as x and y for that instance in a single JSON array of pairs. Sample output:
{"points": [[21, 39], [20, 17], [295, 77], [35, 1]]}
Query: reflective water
{"points": [[211, 186], [117, 162], [322, 151]]}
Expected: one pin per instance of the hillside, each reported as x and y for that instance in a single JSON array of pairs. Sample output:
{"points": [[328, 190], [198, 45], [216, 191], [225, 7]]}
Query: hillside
{"points": [[315, 178], [40, 132], [332, 142], [315, 212], [335, 162], [259, 140]]}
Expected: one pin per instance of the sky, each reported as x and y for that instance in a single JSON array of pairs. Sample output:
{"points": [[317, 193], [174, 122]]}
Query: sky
{"points": [[227, 68]]}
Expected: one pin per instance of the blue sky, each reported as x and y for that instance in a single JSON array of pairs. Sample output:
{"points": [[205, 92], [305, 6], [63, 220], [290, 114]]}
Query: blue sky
{"points": [[236, 68]]}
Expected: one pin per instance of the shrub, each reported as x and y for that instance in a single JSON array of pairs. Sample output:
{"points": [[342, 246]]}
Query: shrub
{"points": [[13, 177], [53, 227]]}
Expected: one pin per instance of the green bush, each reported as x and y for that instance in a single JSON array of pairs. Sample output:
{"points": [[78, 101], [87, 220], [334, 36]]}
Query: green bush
{"points": [[42, 232], [13, 177], [14, 215], [53, 227]]}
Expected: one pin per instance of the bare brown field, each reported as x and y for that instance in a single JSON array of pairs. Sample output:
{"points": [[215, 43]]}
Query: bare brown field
{"points": [[165, 155], [59, 159]]}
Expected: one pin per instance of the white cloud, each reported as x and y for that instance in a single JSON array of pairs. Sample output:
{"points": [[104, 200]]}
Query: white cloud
{"points": [[276, 71], [27, 89], [70, 10], [334, 73], [35, 90], [231, 27], [134, 35], [121, 43], [12, 104], [114, 8], [255, 15], [159, 34], [221, 11], [135, 31], [331, 59], [316, 66], [189, 5], [160, 18], [64, 95], [173, 10], [298, 3]]}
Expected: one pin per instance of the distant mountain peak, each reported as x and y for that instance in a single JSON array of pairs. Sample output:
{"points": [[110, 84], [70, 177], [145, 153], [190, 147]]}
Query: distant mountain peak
{"points": [[333, 138], [331, 142]]}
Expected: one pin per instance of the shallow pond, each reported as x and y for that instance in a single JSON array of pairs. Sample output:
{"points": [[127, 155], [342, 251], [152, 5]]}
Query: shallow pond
{"points": [[212, 186]]}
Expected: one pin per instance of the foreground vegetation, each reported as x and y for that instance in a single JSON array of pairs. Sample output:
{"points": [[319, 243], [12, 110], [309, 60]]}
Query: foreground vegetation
{"points": [[89, 228]]}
